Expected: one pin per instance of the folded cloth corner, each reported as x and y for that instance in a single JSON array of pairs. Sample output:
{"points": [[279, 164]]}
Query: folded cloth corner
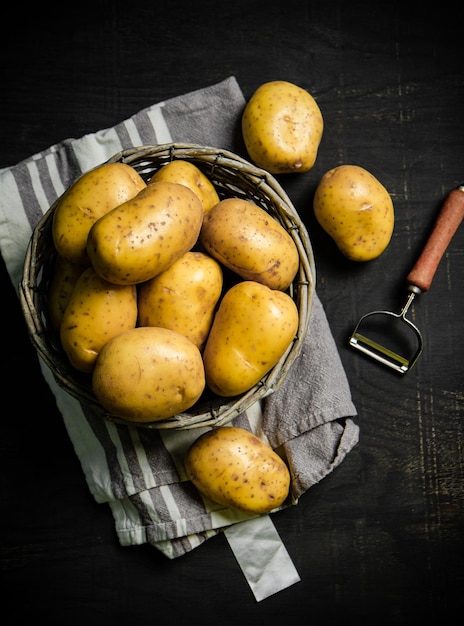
{"points": [[138, 471], [310, 415]]}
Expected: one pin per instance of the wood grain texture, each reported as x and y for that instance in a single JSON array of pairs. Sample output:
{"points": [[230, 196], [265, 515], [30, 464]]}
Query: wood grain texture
{"points": [[381, 540]]}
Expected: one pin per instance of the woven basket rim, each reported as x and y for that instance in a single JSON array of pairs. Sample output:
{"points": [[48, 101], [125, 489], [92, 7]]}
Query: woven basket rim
{"points": [[230, 173]]}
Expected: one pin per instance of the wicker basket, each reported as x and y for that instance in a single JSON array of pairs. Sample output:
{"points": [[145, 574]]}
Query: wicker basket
{"points": [[232, 177]]}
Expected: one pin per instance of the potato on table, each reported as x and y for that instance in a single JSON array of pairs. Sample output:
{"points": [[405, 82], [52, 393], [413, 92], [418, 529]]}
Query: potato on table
{"points": [[282, 128], [356, 210]]}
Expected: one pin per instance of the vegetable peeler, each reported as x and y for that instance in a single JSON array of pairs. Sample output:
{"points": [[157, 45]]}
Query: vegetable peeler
{"points": [[405, 341]]}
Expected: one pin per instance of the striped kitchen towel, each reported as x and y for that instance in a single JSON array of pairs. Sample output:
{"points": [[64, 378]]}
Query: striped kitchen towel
{"points": [[138, 471]]}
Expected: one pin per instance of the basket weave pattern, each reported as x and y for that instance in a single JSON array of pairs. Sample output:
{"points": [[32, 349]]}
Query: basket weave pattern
{"points": [[233, 177]]}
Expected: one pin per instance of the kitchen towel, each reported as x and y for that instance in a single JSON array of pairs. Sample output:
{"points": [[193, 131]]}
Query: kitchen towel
{"points": [[139, 471]]}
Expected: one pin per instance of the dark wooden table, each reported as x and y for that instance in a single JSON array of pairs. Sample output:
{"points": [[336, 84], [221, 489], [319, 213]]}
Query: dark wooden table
{"points": [[381, 539]]}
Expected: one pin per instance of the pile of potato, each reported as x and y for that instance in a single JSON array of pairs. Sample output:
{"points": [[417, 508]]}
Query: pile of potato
{"points": [[161, 290], [139, 296]]}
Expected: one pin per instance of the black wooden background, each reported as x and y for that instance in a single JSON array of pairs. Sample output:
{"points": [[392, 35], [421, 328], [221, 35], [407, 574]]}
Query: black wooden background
{"points": [[379, 541]]}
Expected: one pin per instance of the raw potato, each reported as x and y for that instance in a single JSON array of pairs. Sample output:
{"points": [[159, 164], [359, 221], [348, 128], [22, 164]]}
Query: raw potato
{"points": [[144, 236], [355, 209], [246, 239], [94, 194], [183, 297], [148, 374], [233, 467], [188, 174], [253, 327], [96, 312], [64, 278], [282, 128]]}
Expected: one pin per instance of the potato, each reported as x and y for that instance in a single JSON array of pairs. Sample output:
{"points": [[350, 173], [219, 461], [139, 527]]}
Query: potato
{"points": [[183, 297], [250, 242], [92, 195], [282, 128], [355, 209], [252, 328], [63, 280], [188, 174], [148, 374], [96, 312], [233, 467], [144, 236]]}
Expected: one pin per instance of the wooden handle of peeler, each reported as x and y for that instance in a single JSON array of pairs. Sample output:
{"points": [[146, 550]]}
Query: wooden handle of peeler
{"points": [[448, 221]]}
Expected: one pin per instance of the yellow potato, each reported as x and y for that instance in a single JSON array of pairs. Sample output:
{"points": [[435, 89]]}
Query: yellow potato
{"points": [[148, 374], [252, 328], [63, 280], [188, 174], [144, 236], [355, 209], [233, 467], [282, 128], [96, 312], [250, 242], [93, 194], [183, 297]]}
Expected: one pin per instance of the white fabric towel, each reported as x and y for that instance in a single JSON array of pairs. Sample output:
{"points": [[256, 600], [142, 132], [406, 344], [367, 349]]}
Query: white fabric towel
{"points": [[138, 471]]}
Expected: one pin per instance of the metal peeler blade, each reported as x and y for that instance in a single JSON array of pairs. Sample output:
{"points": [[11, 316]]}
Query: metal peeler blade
{"points": [[381, 353]]}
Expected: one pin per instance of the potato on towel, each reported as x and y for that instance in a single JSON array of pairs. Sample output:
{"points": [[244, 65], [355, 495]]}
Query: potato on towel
{"points": [[250, 242], [252, 329], [148, 374], [144, 236], [233, 467], [96, 312], [183, 297], [94, 194]]}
